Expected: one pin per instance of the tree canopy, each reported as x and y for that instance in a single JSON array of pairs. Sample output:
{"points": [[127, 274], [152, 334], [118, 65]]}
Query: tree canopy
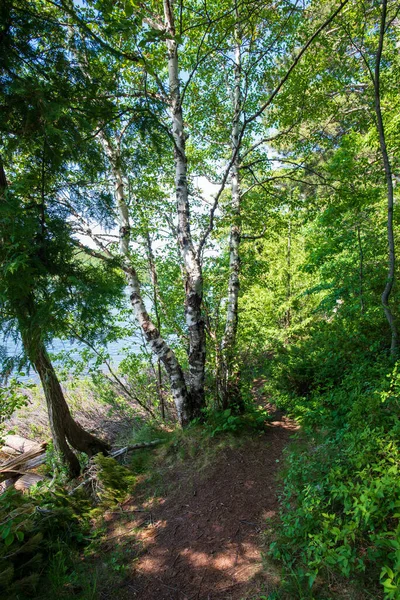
{"points": [[219, 179]]}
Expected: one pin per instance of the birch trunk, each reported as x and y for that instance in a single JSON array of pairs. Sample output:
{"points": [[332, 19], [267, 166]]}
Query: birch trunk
{"points": [[389, 185], [154, 280], [229, 376], [151, 333], [191, 260]]}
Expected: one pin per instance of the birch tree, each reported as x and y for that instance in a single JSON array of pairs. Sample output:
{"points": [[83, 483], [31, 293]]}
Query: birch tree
{"points": [[153, 53], [190, 256], [251, 58], [152, 334]]}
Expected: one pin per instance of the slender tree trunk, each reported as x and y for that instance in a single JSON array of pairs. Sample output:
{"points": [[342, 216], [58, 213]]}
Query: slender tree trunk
{"points": [[191, 259], [230, 375], [65, 431], [389, 184], [361, 268], [151, 333], [154, 280], [288, 316]]}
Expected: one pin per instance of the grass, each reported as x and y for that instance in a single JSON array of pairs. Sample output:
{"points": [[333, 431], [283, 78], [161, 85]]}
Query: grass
{"points": [[100, 563], [108, 414]]}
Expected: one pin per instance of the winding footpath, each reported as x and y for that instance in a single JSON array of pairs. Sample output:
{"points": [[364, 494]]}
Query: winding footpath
{"points": [[203, 541]]}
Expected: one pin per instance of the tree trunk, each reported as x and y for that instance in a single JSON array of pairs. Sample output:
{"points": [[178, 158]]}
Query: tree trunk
{"points": [[229, 374], [361, 268], [63, 427], [151, 333], [288, 315], [191, 260], [389, 184], [154, 280]]}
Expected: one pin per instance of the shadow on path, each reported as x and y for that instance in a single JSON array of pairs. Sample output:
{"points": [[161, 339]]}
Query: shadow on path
{"points": [[203, 540]]}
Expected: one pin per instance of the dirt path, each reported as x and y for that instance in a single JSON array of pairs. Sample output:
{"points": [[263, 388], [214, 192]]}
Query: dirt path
{"points": [[203, 540]]}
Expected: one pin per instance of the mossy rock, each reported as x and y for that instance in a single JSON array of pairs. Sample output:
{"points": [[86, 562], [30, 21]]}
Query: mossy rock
{"points": [[116, 479]]}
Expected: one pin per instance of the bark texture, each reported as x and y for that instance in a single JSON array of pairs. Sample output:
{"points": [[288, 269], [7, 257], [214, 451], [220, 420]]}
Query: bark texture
{"points": [[152, 334], [191, 259], [154, 280], [229, 375], [65, 430], [389, 184]]}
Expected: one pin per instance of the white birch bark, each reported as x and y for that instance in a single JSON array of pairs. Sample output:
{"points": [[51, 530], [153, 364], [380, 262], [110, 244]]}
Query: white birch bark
{"points": [[191, 260], [229, 336], [152, 335]]}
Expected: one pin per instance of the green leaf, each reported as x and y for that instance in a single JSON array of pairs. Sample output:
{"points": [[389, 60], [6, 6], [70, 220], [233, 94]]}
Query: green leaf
{"points": [[9, 539], [20, 535]]}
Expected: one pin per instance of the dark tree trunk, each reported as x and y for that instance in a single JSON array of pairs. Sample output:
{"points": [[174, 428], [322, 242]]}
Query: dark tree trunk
{"points": [[65, 431], [389, 184]]}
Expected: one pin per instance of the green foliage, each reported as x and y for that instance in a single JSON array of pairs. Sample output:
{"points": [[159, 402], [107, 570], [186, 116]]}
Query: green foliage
{"points": [[313, 249], [36, 531], [114, 480], [43, 532], [227, 422], [340, 498], [12, 398]]}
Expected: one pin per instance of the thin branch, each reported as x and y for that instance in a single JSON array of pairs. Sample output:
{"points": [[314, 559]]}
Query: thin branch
{"points": [[255, 115], [112, 373], [105, 45]]}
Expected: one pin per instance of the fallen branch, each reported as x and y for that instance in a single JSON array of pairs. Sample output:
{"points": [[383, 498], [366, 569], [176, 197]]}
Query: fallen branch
{"points": [[20, 444], [22, 460], [138, 446]]}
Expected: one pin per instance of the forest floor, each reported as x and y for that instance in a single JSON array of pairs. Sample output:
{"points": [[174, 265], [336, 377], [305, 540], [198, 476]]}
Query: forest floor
{"points": [[199, 534]]}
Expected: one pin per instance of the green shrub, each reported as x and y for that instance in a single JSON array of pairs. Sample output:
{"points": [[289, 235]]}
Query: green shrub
{"points": [[113, 479], [33, 528], [43, 531], [218, 422], [341, 491]]}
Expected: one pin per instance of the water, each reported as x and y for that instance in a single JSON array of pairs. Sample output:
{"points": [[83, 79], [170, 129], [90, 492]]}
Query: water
{"points": [[71, 350], [115, 351]]}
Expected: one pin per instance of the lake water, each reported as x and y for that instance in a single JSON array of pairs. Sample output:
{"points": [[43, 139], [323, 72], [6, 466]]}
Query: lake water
{"points": [[115, 350], [72, 350]]}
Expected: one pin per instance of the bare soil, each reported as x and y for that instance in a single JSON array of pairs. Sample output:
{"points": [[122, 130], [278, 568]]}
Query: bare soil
{"points": [[32, 421], [203, 539]]}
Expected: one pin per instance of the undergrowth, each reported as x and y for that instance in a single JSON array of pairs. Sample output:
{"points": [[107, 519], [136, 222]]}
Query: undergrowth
{"points": [[340, 494], [52, 538], [46, 533]]}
